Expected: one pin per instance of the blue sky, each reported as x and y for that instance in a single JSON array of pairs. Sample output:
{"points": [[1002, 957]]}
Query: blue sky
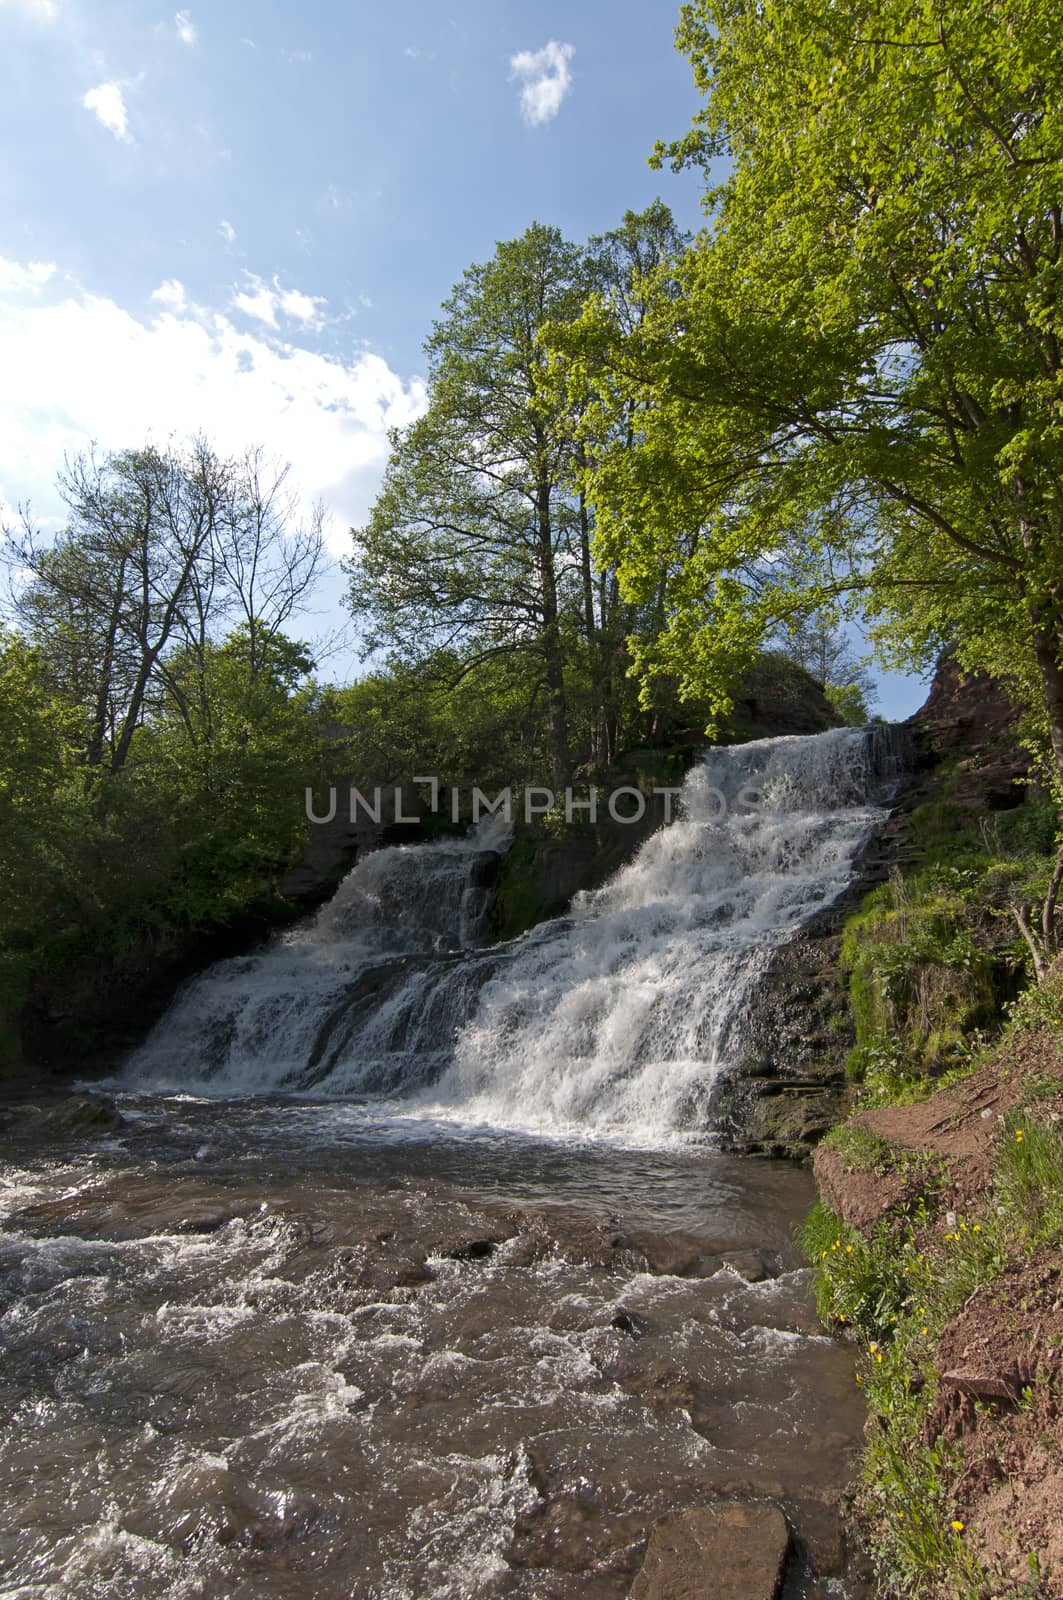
{"points": [[244, 217]]}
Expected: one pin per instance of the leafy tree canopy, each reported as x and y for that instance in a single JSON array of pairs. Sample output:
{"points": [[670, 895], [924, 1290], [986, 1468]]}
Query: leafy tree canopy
{"points": [[854, 396]]}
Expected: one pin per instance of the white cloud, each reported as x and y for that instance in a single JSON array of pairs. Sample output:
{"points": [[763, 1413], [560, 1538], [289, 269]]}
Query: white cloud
{"points": [[259, 303], [227, 231], [78, 367], [263, 301], [31, 276], [545, 80], [108, 102], [300, 307], [186, 28], [171, 293]]}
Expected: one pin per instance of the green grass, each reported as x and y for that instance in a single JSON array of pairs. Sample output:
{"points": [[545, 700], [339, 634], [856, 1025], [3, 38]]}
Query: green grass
{"points": [[1041, 1086], [861, 1149], [864, 1151], [1029, 1178]]}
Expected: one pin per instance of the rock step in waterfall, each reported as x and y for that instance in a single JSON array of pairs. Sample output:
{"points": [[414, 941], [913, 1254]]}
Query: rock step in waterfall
{"points": [[612, 1020]]}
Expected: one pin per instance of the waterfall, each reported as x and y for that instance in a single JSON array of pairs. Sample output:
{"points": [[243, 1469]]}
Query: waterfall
{"points": [[614, 1018], [377, 974]]}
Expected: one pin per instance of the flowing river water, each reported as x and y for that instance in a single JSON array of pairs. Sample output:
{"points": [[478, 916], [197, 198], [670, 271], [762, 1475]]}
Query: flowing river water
{"points": [[408, 1270]]}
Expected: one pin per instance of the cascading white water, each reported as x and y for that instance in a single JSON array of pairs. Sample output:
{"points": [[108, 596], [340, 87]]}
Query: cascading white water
{"points": [[374, 960], [613, 1019], [619, 1018]]}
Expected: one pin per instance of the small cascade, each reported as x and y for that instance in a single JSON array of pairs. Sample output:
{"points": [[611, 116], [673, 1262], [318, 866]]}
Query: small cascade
{"points": [[614, 1019], [381, 960]]}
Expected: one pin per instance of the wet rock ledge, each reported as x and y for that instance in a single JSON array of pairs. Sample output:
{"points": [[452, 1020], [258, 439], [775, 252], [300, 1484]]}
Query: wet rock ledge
{"points": [[790, 1087]]}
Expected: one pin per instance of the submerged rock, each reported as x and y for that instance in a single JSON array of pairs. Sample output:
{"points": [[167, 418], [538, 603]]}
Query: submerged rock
{"points": [[74, 1113], [752, 1265], [728, 1551]]}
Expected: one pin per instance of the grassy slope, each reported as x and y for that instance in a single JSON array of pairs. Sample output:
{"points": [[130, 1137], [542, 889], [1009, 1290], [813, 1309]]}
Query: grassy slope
{"points": [[939, 1237]]}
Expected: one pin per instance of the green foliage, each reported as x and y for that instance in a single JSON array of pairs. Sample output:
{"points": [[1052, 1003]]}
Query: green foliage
{"points": [[478, 548], [40, 799], [158, 728], [845, 394], [486, 725], [103, 880], [1029, 1177], [849, 703], [474, 539], [908, 1496], [859, 1281], [1041, 1007]]}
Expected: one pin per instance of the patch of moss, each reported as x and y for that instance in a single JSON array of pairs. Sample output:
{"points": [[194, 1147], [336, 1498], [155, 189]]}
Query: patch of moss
{"points": [[933, 955], [518, 901]]}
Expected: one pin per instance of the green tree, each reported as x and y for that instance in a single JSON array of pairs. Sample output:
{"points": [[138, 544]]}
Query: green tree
{"points": [[473, 544], [827, 655], [40, 737], [164, 550], [157, 727], [858, 378], [627, 268], [856, 391]]}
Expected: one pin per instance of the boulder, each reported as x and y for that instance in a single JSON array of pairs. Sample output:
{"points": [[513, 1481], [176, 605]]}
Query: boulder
{"points": [[72, 1114], [728, 1551]]}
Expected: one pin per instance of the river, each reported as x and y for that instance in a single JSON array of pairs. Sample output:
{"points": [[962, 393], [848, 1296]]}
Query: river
{"points": [[407, 1269]]}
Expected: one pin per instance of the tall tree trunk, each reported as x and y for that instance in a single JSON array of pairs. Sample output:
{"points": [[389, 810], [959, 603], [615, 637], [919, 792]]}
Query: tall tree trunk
{"points": [[599, 734], [1048, 648], [551, 643]]}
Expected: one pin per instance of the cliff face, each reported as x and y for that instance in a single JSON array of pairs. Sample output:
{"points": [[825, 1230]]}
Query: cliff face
{"points": [[791, 1087], [969, 726]]}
